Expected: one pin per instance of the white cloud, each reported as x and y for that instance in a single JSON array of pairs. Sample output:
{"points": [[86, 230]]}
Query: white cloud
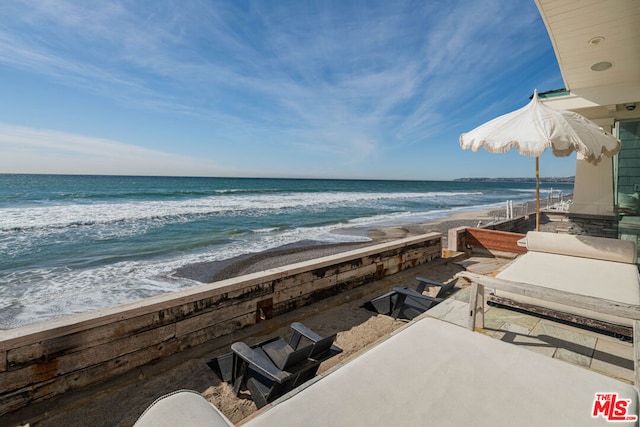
{"points": [[26, 150]]}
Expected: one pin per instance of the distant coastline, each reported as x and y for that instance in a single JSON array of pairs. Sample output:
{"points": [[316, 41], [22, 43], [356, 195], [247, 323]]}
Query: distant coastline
{"points": [[564, 180]]}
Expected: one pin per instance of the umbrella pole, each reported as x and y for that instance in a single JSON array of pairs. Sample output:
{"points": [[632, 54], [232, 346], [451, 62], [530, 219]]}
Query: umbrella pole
{"points": [[537, 194]]}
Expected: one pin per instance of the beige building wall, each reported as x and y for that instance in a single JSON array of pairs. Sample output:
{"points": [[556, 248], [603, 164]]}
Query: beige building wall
{"points": [[593, 188]]}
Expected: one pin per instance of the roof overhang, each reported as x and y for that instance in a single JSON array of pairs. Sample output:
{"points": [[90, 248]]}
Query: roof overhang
{"points": [[586, 36]]}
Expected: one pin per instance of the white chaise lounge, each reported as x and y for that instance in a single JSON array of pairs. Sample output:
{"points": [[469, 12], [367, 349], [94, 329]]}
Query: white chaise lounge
{"points": [[591, 266], [433, 373]]}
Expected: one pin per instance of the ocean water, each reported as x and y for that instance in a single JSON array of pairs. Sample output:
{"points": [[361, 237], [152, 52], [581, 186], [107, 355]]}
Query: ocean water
{"points": [[70, 244]]}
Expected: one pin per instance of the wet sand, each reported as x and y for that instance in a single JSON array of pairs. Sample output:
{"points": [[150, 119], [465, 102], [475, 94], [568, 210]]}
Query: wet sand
{"points": [[208, 272]]}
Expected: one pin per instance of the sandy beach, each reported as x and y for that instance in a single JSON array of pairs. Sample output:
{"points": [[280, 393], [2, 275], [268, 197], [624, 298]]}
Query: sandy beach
{"points": [[119, 402], [302, 251]]}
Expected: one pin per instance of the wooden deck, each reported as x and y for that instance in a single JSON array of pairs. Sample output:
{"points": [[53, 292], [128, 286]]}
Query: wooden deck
{"points": [[483, 264]]}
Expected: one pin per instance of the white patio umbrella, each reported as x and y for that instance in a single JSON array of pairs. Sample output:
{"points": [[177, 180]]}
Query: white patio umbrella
{"points": [[534, 128]]}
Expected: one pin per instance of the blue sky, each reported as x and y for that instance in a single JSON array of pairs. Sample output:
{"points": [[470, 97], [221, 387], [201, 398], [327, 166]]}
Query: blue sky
{"points": [[329, 89]]}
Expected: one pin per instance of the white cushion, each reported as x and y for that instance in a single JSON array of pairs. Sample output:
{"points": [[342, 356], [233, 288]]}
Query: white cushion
{"points": [[435, 373], [583, 246], [182, 408]]}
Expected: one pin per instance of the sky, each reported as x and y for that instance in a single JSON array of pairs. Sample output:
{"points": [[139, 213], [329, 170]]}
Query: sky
{"points": [[303, 89]]}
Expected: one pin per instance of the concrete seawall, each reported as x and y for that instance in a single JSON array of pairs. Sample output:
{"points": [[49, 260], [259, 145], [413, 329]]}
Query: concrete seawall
{"points": [[50, 358]]}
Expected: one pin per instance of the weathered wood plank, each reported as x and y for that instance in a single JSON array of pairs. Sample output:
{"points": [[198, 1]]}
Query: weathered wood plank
{"points": [[285, 305], [391, 265], [65, 344], [103, 371], [43, 390], [69, 343], [363, 271], [598, 305], [293, 283], [620, 330], [293, 293], [15, 399], [204, 320], [212, 332], [60, 366]]}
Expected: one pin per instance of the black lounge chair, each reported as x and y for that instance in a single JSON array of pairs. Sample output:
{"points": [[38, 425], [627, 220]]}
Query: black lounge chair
{"points": [[279, 350], [265, 380], [227, 367], [274, 367], [407, 303]]}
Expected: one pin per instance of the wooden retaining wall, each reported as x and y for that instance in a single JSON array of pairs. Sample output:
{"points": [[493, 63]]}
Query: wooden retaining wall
{"points": [[46, 359], [494, 240], [498, 243]]}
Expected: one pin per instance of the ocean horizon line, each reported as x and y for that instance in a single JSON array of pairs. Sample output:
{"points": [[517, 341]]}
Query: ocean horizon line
{"points": [[567, 179]]}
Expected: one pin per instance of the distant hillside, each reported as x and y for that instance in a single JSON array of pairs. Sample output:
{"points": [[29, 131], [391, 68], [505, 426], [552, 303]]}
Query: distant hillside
{"points": [[565, 180]]}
